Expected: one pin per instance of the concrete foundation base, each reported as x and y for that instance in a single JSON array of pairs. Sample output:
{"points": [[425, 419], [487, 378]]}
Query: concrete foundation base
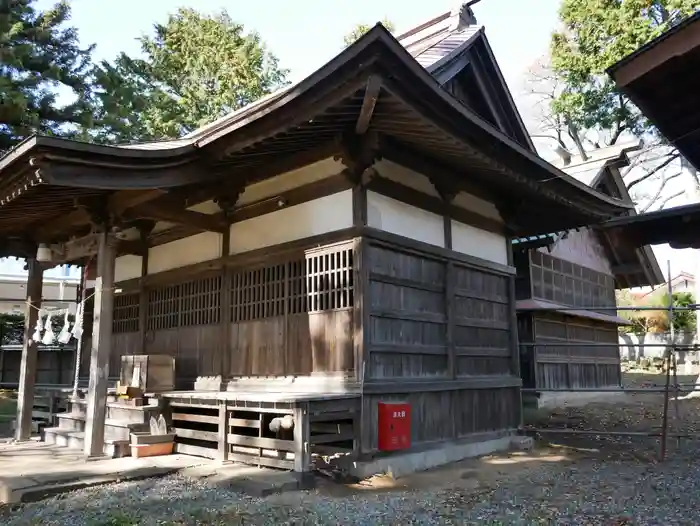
{"points": [[570, 398], [401, 464]]}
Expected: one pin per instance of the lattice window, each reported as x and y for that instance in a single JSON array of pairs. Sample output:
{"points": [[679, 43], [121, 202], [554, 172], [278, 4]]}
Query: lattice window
{"points": [[195, 302], [163, 306], [329, 280], [200, 301], [564, 282], [319, 282], [126, 313]]}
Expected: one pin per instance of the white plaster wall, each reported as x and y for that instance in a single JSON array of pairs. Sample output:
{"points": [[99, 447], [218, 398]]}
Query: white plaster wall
{"points": [[582, 248], [127, 267], [393, 216], [289, 180], [327, 214], [183, 252], [479, 243]]}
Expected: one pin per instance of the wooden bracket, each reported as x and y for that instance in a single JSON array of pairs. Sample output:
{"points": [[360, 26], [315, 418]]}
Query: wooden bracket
{"points": [[228, 199], [447, 190], [359, 153]]}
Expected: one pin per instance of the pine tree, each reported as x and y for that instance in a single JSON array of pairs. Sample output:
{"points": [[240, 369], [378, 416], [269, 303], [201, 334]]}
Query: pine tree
{"points": [[195, 69], [40, 58]]}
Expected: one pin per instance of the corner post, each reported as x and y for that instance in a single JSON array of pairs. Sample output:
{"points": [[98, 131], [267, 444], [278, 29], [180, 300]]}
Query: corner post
{"points": [[101, 347], [27, 378], [514, 341]]}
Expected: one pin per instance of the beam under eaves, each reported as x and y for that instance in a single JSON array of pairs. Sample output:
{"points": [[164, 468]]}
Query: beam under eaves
{"points": [[164, 211]]}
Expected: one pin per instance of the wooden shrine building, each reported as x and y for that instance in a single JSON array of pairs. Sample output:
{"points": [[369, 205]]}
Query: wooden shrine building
{"points": [[565, 292], [342, 242]]}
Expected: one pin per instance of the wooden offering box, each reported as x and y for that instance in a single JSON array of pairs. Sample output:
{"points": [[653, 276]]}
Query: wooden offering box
{"points": [[152, 373]]}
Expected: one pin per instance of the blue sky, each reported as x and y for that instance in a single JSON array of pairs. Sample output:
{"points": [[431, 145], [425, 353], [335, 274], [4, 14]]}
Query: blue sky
{"points": [[307, 33]]}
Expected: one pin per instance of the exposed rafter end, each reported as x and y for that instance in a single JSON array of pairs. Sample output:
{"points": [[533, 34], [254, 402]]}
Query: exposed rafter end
{"points": [[374, 86]]}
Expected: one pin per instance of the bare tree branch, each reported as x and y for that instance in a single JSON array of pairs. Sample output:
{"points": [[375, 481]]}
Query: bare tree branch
{"points": [[660, 190], [653, 171]]}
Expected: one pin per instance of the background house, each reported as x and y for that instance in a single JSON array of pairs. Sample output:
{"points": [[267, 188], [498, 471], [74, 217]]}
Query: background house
{"points": [[566, 345]]}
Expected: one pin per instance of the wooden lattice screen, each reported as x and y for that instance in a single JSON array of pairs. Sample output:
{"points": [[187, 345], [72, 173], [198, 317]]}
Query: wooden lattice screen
{"points": [[319, 282], [195, 302], [126, 313]]}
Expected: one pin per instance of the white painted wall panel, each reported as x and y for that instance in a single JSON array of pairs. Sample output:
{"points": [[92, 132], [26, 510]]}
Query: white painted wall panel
{"points": [[183, 252], [582, 248], [127, 267], [405, 220], [479, 243], [327, 214]]}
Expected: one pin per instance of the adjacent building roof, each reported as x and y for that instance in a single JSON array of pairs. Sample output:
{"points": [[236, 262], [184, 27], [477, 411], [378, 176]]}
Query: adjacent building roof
{"points": [[43, 178], [633, 265], [662, 79], [678, 226]]}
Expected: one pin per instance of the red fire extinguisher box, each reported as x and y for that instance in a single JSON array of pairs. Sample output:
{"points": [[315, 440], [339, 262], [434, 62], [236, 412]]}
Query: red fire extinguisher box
{"points": [[394, 426]]}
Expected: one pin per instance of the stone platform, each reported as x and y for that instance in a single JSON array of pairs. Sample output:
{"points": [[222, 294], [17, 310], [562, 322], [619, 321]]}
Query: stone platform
{"points": [[34, 470]]}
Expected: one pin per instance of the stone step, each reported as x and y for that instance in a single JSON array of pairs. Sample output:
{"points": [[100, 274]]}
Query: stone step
{"points": [[120, 430], [76, 440], [71, 421], [119, 411]]}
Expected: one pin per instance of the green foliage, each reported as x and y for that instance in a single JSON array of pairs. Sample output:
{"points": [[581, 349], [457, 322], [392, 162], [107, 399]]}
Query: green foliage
{"points": [[195, 69], [361, 29], [11, 329], [38, 55], [683, 320], [657, 321], [595, 35]]}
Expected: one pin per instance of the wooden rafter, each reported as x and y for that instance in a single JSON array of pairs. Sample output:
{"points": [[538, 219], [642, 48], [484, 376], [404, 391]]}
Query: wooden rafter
{"points": [[374, 86], [126, 199]]}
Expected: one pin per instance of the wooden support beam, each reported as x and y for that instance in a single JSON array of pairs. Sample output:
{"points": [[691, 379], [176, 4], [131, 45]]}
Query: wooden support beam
{"points": [[101, 347], [374, 86], [27, 374], [172, 213]]}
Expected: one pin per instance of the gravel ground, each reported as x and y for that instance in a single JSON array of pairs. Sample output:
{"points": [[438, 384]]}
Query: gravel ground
{"points": [[592, 480], [582, 492]]}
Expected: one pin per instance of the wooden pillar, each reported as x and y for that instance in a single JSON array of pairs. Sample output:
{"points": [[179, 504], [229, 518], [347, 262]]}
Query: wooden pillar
{"points": [[222, 450], [302, 438], [514, 342], [143, 303], [101, 348], [225, 306], [27, 375]]}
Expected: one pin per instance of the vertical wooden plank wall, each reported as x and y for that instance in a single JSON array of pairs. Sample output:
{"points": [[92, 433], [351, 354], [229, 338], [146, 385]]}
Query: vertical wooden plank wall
{"points": [[441, 337], [284, 313]]}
